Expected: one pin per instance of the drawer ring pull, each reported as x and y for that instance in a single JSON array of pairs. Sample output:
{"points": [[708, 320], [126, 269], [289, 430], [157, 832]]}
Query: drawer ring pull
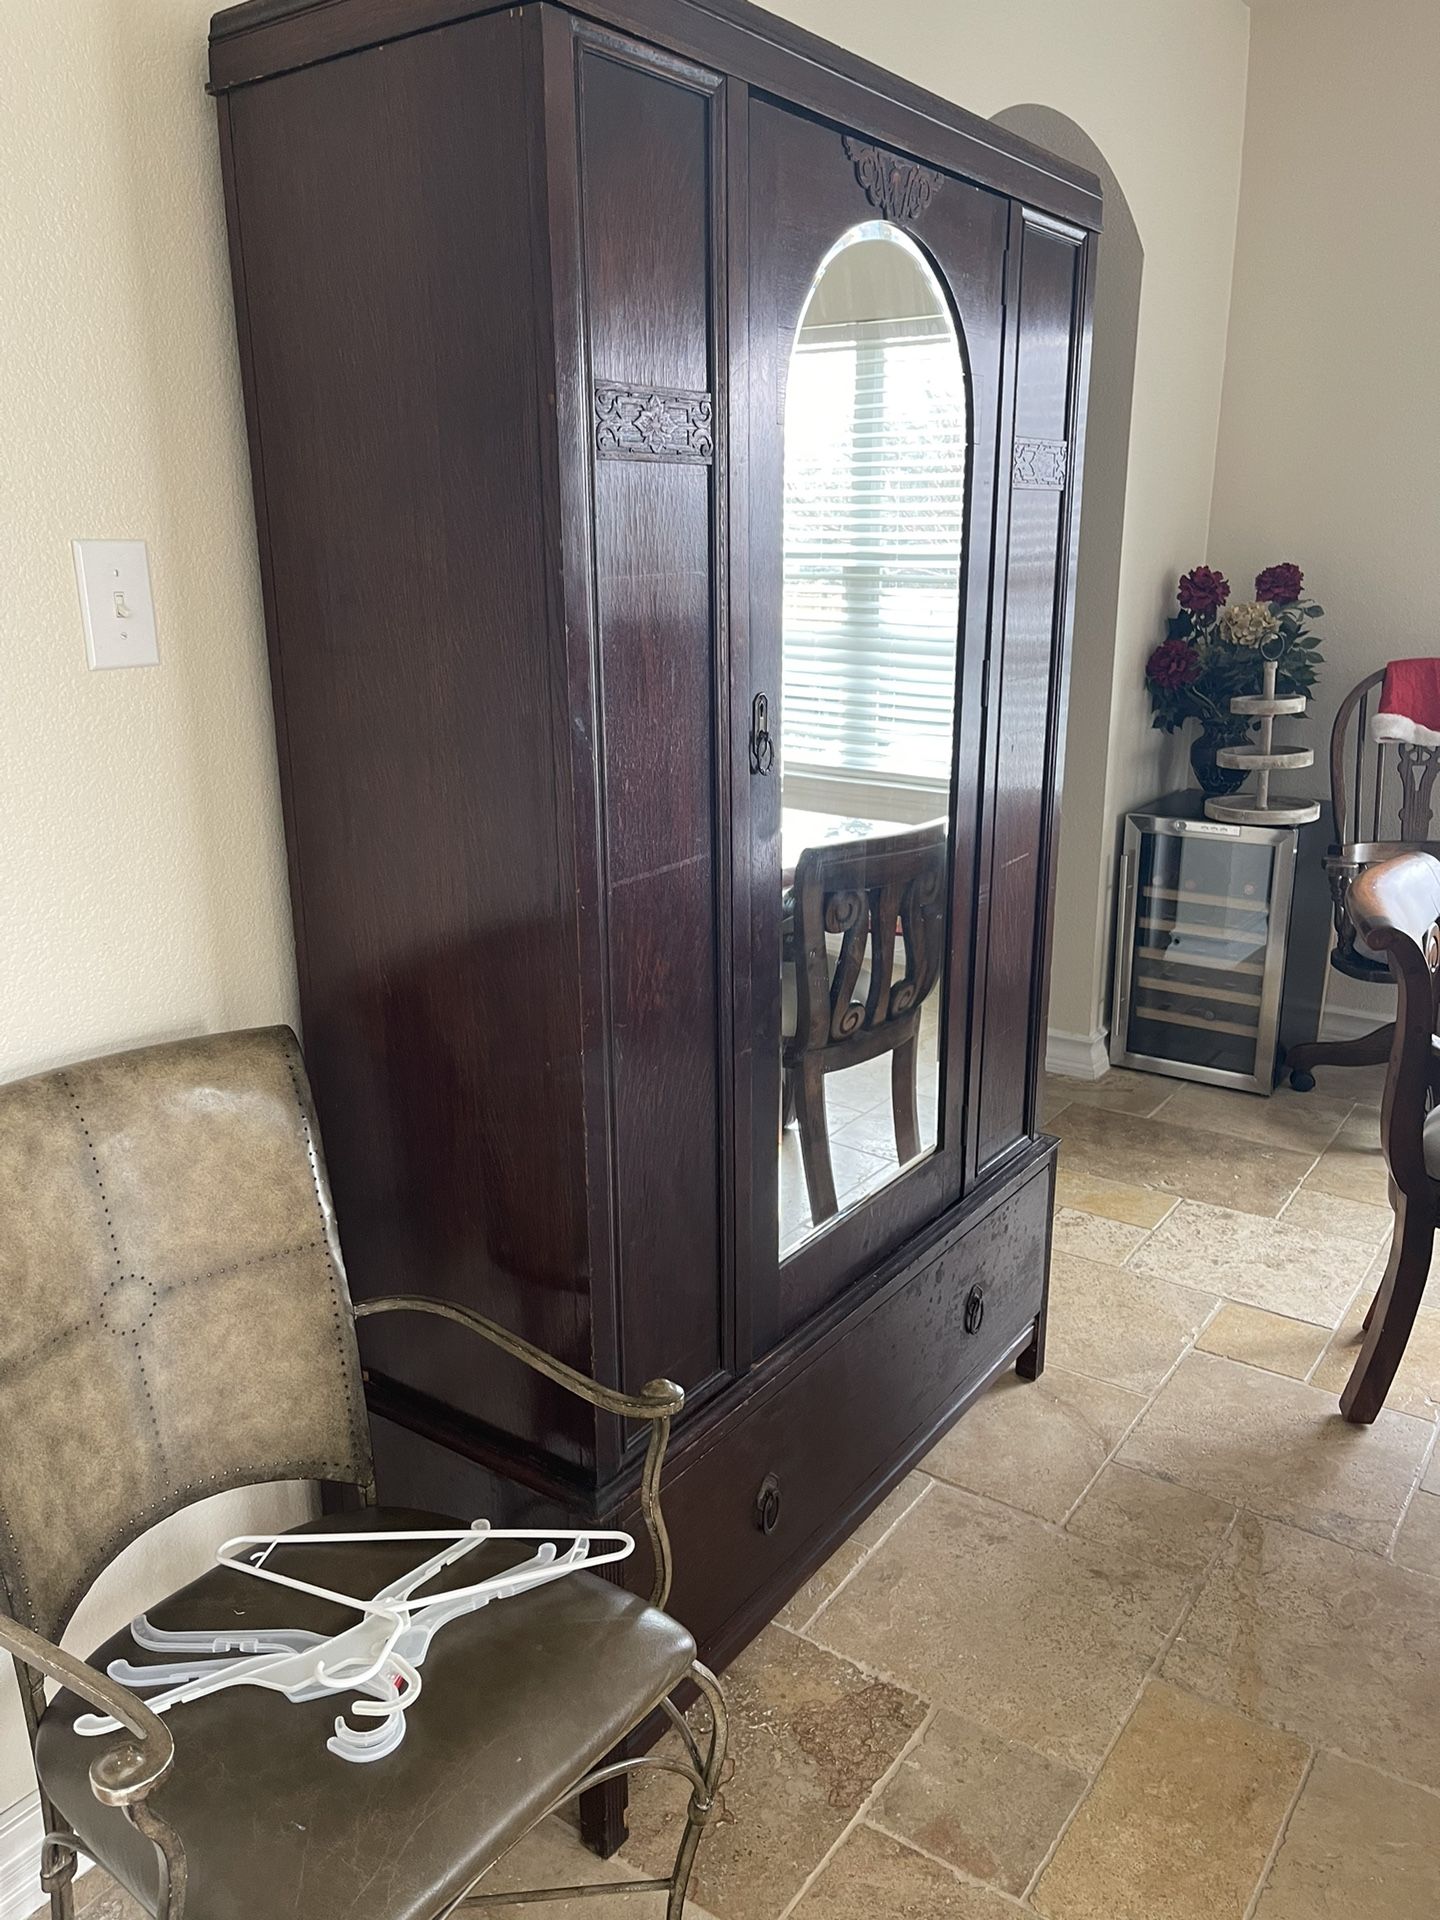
{"points": [[974, 1309], [767, 1504]]}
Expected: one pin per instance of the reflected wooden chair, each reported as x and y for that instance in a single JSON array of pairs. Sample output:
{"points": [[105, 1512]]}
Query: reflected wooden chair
{"points": [[1396, 910], [1371, 783], [175, 1322], [871, 894]]}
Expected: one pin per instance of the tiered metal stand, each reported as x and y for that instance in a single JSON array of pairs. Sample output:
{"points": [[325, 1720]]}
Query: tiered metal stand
{"points": [[1257, 809]]}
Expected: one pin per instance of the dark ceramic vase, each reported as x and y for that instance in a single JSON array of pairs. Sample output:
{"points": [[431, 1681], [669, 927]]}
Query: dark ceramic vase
{"points": [[1209, 777]]}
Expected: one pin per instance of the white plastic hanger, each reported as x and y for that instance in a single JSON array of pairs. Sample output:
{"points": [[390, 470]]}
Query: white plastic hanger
{"points": [[379, 1657]]}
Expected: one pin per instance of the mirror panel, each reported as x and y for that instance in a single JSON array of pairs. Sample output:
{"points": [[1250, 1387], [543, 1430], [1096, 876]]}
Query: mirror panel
{"points": [[876, 432]]}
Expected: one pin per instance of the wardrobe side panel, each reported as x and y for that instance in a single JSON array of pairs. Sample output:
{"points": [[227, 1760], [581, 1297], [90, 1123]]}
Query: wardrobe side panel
{"points": [[649, 240], [386, 250], [1026, 683]]}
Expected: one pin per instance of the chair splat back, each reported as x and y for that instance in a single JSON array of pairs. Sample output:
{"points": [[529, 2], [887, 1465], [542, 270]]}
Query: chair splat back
{"points": [[1379, 790], [864, 890], [176, 1320]]}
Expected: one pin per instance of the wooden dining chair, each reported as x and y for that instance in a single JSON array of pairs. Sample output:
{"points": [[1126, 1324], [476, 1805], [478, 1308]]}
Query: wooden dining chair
{"points": [[866, 891], [1372, 785], [1396, 910]]}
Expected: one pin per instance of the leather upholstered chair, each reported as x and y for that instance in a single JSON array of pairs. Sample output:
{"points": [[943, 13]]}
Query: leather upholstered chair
{"points": [[175, 1321]]}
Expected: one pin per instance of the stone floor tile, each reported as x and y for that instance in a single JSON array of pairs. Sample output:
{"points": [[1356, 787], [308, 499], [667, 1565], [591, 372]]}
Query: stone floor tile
{"points": [[1329, 1217], [1417, 1545], [1181, 1819], [1353, 1166], [1034, 1633], [1036, 1444], [1306, 1123], [843, 1562], [1272, 1341], [1259, 1262], [1359, 1846], [1416, 1386], [1121, 1090], [554, 1856], [1431, 1482], [1126, 1328], [1364, 1085], [1196, 1164], [1279, 1448], [874, 1132], [1148, 1519], [810, 1737], [1094, 1237], [99, 1897], [1339, 1647], [1112, 1199], [874, 1877], [989, 1806]]}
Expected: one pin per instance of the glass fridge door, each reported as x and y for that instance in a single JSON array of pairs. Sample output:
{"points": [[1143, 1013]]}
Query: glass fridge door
{"points": [[1207, 924]]}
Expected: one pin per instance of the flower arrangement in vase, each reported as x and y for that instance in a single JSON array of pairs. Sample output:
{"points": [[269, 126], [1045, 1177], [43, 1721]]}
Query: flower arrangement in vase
{"points": [[1214, 649]]}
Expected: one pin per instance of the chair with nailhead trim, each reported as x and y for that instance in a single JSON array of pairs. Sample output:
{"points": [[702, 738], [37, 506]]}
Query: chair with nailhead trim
{"points": [[175, 1321]]}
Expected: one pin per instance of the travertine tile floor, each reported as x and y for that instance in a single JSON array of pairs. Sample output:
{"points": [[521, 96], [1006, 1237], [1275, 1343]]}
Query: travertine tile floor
{"points": [[1155, 1638]]}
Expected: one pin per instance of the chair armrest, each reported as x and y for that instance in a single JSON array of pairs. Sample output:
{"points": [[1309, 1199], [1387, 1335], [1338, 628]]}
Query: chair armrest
{"points": [[119, 1776], [658, 1401]]}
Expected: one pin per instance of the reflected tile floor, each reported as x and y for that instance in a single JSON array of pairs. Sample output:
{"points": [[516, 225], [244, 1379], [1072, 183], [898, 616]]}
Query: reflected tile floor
{"points": [[1156, 1638]]}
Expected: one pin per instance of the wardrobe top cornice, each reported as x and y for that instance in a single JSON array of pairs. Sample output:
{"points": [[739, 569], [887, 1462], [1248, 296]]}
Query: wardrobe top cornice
{"points": [[261, 39]]}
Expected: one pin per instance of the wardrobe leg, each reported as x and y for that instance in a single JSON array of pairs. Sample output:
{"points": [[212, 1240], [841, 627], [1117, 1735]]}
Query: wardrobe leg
{"points": [[603, 1824], [1031, 1363]]}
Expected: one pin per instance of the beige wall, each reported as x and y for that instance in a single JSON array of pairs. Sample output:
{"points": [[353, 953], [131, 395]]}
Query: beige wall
{"points": [[1332, 404], [1160, 89], [140, 855], [142, 873]]}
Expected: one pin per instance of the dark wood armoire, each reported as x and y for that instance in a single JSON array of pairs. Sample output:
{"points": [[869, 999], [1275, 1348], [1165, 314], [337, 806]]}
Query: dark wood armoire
{"points": [[519, 294]]}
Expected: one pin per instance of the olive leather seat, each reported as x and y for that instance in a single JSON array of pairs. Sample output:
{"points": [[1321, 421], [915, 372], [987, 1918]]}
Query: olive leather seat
{"points": [[517, 1699]]}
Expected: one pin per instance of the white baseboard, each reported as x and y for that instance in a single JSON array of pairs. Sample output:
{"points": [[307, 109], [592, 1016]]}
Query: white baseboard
{"points": [[1080, 1056], [20, 1834]]}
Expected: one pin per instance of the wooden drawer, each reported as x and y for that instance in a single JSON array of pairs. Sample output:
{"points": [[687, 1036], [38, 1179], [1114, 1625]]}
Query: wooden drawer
{"points": [[766, 1492], [780, 1485]]}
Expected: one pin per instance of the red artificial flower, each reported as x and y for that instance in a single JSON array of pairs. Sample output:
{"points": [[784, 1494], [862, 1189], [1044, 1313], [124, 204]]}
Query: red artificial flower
{"points": [[1202, 590], [1174, 663], [1280, 585]]}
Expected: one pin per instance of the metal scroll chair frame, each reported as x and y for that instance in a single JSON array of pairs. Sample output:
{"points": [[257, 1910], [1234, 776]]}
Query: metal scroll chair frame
{"points": [[1358, 796], [125, 1775], [1396, 906]]}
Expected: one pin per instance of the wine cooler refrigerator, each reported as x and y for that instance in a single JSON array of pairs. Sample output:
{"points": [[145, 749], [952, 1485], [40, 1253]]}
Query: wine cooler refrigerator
{"points": [[1221, 942]]}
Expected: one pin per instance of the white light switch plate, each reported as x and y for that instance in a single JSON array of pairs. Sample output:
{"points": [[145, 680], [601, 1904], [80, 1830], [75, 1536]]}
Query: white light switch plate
{"points": [[114, 582]]}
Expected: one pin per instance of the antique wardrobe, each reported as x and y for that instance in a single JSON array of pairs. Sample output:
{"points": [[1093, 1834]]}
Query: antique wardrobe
{"points": [[666, 437]]}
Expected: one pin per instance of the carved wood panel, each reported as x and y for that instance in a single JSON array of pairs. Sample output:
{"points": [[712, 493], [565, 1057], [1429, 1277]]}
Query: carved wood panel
{"points": [[900, 188], [1040, 463], [653, 423]]}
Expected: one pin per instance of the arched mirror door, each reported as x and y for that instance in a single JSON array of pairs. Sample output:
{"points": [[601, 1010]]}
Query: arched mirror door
{"points": [[875, 441], [875, 314]]}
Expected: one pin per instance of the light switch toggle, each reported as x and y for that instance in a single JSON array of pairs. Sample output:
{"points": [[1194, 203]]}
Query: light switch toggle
{"points": [[114, 581]]}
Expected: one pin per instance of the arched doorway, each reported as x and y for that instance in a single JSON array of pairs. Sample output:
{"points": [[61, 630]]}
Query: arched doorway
{"points": [[1079, 977]]}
